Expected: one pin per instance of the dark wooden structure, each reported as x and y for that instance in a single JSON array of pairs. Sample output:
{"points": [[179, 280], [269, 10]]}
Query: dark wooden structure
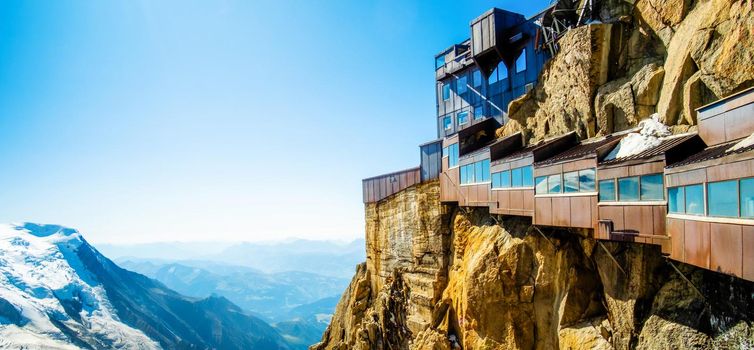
{"points": [[577, 209], [706, 239], [641, 219], [510, 153]]}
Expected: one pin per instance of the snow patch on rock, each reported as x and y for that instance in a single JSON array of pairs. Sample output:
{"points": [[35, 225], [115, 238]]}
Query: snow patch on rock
{"points": [[650, 135]]}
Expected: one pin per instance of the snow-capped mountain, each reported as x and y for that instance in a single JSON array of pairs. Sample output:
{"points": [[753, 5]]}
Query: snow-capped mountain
{"points": [[58, 292]]}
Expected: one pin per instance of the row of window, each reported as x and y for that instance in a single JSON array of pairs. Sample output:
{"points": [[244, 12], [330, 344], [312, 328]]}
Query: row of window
{"points": [[732, 198], [463, 118], [571, 182], [514, 178], [632, 189], [500, 73], [477, 172], [452, 153]]}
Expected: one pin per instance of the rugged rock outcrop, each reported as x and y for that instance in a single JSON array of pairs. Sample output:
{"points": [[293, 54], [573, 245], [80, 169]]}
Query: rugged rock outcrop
{"points": [[668, 57], [494, 283]]}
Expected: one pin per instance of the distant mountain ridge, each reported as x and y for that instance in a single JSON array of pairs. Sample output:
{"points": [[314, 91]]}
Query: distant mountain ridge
{"points": [[58, 292], [328, 258]]}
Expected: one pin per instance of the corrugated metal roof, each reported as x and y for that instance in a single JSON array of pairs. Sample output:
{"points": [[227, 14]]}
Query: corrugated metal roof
{"points": [[713, 152], [581, 150], [663, 147], [531, 148]]}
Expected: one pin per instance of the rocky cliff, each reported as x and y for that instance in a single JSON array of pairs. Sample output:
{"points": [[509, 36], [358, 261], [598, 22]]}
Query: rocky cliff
{"points": [[443, 277]]}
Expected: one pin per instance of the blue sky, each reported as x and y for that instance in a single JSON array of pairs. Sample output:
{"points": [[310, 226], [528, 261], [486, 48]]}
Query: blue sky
{"points": [[138, 121]]}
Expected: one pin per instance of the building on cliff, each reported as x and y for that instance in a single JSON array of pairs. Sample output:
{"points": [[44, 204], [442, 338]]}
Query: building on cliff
{"points": [[690, 194]]}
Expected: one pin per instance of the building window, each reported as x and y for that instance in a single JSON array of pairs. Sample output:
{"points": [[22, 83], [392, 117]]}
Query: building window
{"points": [[628, 189], [461, 85], [496, 180], [540, 186], [571, 182], [676, 200], [586, 180], [478, 172], [554, 184], [652, 187], [446, 91], [694, 199], [478, 112], [722, 198], [521, 62], [439, 61], [452, 153], [476, 76], [527, 173], [492, 78], [517, 179], [607, 190], [747, 197], [502, 71], [447, 123], [463, 117]]}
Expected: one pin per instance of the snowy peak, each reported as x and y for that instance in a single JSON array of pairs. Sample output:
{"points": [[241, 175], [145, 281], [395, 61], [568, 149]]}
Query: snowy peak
{"points": [[58, 292]]}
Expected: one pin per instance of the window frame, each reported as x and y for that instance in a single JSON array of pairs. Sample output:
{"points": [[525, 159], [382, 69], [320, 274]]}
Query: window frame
{"points": [[449, 125], [638, 188], [461, 84], [525, 63], [662, 187], [465, 114], [708, 202], [600, 191], [446, 91]]}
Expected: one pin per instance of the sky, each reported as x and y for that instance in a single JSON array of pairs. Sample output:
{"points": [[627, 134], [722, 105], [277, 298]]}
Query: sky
{"points": [[144, 121]]}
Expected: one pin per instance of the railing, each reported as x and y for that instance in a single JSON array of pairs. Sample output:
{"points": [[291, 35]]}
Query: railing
{"points": [[380, 187]]}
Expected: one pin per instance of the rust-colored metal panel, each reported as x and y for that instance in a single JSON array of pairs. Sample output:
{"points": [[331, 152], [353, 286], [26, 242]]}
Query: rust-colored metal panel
{"points": [[580, 209], [561, 211], [731, 171], [633, 218], [543, 211], [646, 168], [528, 200], [594, 212], [748, 252], [664, 243], [712, 130], [696, 243], [547, 170], [676, 231], [504, 198], [647, 225], [516, 200], [614, 214], [659, 217], [726, 248], [613, 172], [686, 178], [580, 164]]}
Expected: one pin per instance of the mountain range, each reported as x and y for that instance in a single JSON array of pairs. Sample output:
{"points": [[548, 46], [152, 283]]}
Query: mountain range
{"points": [[59, 292]]}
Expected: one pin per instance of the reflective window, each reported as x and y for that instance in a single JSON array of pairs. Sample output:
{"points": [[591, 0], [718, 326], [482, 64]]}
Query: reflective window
{"points": [[463, 117], [505, 179], [628, 189], [478, 170], [464, 174], [493, 77], [586, 180], [453, 155], [540, 185], [652, 188], [478, 112], [446, 123], [446, 91], [722, 198], [676, 200], [477, 78], [528, 176], [747, 198], [495, 180], [554, 184], [461, 85], [517, 179], [521, 62], [439, 61], [571, 182], [485, 170], [694, 199], [502, 71], [607, 190]]}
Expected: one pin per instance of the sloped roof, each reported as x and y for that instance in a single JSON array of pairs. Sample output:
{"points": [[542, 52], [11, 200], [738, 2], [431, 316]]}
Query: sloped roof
{"points": [[664, 146], [581, 150], [534, 147], [713, 152]]}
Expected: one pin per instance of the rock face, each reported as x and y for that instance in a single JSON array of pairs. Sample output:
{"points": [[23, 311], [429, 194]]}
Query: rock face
{"points": [[436, 279], [668, 57]]}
